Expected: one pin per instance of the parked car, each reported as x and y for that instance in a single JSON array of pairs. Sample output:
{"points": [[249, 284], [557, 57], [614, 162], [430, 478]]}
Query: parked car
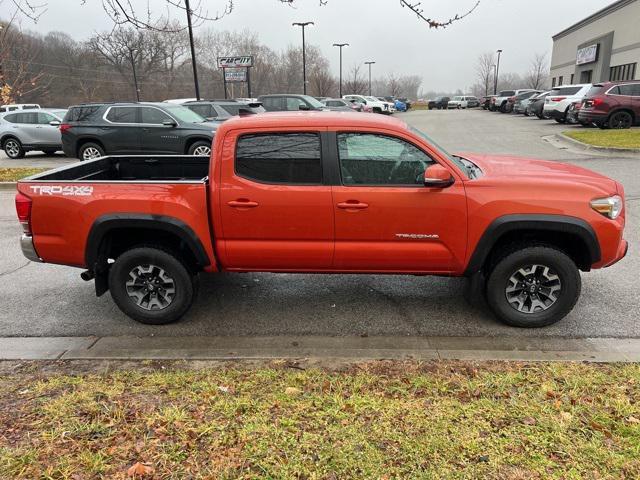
{"points": [[439, 103], [400, 106], [373, 103], [519, 103], [463, 102], [391, 106], [501, 102], [611, 105], [221, 110], [94, 130], [406, 101], [485, 102], [290, 102], [556, 104], [26, 130], [19, 106], [536, 105], [359, 106], [340, 105], [572, 113], [274, 199]]}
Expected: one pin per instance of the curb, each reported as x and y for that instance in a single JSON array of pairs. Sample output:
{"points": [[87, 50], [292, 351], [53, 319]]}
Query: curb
{"points": [[586, 146], [540, 349], [8, 186]]}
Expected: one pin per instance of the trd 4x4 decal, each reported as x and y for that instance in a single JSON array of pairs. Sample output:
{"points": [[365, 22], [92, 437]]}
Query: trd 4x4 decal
{"points": [[68, 190]]}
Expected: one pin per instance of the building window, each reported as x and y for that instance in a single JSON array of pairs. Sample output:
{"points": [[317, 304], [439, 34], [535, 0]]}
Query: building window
{"points": [[560, 79], [553, 82], [572, 76], [623, 72], [585, 77]]}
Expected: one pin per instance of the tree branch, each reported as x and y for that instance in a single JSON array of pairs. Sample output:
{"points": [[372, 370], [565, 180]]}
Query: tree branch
{"points": [[419, 11]]}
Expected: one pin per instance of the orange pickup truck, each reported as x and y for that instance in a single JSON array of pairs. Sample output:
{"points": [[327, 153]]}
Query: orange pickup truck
{"points": [[326, 192]]}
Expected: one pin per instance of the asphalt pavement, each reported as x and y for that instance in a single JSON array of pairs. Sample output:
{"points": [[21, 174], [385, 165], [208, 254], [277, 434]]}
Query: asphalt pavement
{"points": [[52, 301]]}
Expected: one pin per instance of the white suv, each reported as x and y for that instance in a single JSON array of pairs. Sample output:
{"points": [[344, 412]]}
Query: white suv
{"points": [[557, 103], [376, 105]]}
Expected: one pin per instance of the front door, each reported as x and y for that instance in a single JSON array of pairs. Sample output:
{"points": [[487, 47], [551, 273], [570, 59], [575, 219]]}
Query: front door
{"points": [[276, 212], [386, 219], [156, 137], [49, 134]]}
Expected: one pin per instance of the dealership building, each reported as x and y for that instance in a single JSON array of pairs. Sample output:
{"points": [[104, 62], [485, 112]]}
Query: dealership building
{"points": [[604, 46]]}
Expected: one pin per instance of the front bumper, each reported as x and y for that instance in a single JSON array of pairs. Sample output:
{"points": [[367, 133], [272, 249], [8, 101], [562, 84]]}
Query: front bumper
{"points": [[28, 249]]}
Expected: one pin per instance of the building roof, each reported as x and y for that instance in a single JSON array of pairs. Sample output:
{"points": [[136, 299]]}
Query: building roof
{"points": [[592, 18]]}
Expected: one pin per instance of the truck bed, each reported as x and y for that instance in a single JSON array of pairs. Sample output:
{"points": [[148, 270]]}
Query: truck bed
{"points": [[168, 168]]}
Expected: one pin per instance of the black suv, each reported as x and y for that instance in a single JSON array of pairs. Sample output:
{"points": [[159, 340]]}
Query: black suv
{"points": [[221, 110], [287, 102], [440, 103], [94, 130]]}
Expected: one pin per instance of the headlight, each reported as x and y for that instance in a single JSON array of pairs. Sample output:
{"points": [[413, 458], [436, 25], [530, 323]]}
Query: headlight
{"points": [[610, 207]]}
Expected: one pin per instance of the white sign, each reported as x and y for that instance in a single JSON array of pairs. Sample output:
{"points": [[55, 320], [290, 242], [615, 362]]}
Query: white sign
{"points": [[587, 55], [240, 61], [235, 75]]}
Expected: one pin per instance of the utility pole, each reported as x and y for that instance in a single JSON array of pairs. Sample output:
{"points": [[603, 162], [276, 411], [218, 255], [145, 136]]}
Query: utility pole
{"points": [[304, 55], [369, 63], [135, 77], [193, 50], [495, 86], [340, 46], [494, 77]]}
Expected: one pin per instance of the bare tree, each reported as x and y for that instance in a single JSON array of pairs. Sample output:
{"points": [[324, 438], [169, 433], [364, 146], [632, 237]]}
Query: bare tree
{"points": [[355, 83], [485, 71], [538, 73]]}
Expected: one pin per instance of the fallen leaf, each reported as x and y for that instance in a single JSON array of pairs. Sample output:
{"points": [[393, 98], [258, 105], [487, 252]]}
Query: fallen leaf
{"points": [[529, 421], [141, 469], [633, 419], [223, 389], [566, 416], [292, 391]]}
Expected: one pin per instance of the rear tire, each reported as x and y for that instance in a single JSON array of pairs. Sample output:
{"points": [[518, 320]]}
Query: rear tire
{"points": [[200, 148], [13, 148], [151, 286], [90, 151], [533, 287]]}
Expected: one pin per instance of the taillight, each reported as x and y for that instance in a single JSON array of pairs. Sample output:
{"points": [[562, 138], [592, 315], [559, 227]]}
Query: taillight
{"points": [[593, 102], [557, 99], [64, 127], [23, 209]]}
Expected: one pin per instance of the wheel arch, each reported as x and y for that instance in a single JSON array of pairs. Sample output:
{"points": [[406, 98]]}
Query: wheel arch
{"points": [[8, 136], [111, 235], [572, 235], [84, 140], [191, 140], [623, 109]]}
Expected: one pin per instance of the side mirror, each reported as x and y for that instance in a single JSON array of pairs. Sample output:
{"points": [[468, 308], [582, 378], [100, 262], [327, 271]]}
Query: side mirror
{"points": [[436, 176], [304, 107], [169, 123], [364, 101], [54, 123]]}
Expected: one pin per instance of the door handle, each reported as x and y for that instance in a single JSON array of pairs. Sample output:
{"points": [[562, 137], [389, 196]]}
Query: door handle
{"points": [[242, 203], [353, 205]]}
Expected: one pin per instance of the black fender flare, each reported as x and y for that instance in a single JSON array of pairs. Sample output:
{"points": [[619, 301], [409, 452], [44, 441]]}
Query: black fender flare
{"points": [[107, 223], [536, 222]]}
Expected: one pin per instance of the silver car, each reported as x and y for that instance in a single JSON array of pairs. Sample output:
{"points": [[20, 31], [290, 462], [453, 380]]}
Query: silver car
{"points": [[26, 130]]}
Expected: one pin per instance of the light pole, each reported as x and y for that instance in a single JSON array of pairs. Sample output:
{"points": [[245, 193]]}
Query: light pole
{"points": [[369, 63], [135, 77], [340, 46], [304, 55], [193, 50], [494, 77], [495, 86]]}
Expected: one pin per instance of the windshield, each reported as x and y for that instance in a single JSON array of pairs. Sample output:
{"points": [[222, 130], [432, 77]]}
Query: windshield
{"points": [[372, 99], [456, 99], [470, 169], [184, 114], [313, 102], [507, 93]]}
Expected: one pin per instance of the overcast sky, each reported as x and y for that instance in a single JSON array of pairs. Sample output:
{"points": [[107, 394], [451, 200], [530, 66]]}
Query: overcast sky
{"points": [[378, 30]]}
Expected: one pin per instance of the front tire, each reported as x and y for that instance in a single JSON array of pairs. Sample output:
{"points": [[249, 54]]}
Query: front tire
{"points": [[533, 287], [151, 286], [13, 148]]}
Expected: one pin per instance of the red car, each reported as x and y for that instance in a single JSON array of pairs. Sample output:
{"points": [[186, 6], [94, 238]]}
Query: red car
{"points": [[611, 105], [326, 192]]}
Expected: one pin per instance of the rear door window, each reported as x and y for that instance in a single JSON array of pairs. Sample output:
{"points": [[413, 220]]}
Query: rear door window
{"points": [[286, 158], [28, 118], [123, 115], [627, 89]]}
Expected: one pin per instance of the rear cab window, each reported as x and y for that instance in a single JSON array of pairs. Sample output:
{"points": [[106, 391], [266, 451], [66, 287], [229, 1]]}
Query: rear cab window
{"points": [[280, 158]]}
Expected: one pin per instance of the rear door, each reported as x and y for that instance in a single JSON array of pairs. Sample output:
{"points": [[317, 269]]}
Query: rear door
{"points": [[27, 127], [275, 208], [386, 219], [121, 132]]}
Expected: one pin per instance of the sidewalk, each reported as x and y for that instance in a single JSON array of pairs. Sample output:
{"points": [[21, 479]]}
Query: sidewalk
{"points": [[356, 348]]}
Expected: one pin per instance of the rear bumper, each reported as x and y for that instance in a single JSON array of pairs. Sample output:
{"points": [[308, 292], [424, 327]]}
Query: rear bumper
{"points": [[555, 114], [28, 249], [591, 117]]}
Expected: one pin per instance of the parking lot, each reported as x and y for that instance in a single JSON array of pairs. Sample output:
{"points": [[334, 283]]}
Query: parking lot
{"points": [[48, 300]]}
